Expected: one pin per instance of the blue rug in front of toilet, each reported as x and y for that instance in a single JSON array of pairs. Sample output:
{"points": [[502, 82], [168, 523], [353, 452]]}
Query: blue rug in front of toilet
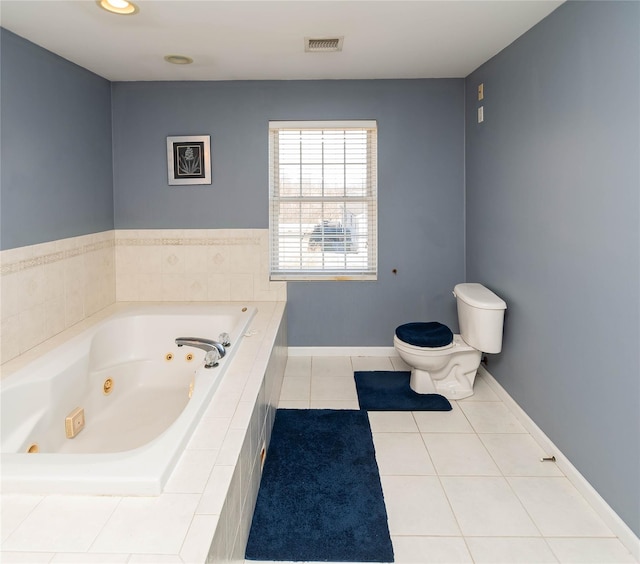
{"points": [[383, 390], [320, 497]]}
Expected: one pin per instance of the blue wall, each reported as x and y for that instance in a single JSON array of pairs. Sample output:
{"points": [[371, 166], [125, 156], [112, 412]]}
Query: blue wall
{"points": [[553, 226], [56, 175], [420, 184]]}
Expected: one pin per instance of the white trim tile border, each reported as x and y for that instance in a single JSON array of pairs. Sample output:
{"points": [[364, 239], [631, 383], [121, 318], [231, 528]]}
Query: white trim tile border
{"points": [[189, 241], [48, 253]]}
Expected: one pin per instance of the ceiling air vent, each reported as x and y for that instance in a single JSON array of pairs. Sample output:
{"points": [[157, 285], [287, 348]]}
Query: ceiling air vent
{"points": [[325, 45]]}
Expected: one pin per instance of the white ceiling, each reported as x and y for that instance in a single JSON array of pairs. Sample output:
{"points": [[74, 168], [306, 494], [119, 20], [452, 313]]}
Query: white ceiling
{"points": [[264, 39]]}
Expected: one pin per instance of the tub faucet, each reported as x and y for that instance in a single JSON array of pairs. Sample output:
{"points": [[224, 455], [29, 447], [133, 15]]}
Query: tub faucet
{"points": [[215, 351]]}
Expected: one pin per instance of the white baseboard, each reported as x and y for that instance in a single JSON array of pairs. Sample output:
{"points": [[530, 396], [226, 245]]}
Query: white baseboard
{"points": [[602, 508], [342, 351]]}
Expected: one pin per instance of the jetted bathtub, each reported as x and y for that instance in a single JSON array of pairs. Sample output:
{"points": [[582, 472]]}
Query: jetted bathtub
{"points": [[138, 394]]}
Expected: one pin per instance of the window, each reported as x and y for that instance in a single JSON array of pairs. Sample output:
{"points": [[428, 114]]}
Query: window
{"points": [[323, 200]]}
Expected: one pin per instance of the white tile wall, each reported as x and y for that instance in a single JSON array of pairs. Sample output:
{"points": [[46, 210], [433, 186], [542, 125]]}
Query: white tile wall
{"points": [[49, 287], [194, 265]]}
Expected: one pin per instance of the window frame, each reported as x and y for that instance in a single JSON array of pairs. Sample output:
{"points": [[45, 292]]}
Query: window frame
{"points": [[369, 201]]}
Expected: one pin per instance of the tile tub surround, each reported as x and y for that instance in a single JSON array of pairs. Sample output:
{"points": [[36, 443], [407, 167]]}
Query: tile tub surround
{"points": [[205, 511], [194, 265], [47, 288]]}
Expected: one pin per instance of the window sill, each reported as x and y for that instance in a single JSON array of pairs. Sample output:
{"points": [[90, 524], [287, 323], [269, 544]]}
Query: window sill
{"points": [[321, 277]]}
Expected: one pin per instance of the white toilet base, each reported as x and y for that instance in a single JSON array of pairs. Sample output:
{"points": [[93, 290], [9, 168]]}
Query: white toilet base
{"points": [[421, 382], [449, 371], [458, 385]]}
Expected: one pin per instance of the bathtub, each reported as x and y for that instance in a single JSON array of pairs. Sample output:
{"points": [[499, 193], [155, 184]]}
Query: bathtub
{"points": [[139, 395]]}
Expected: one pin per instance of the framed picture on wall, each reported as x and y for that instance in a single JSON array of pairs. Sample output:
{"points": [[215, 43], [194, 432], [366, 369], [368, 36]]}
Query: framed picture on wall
{"points": [[189, 159]]}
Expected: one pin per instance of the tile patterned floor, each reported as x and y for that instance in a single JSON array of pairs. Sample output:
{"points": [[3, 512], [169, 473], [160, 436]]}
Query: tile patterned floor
{"points": [[465, 485]]}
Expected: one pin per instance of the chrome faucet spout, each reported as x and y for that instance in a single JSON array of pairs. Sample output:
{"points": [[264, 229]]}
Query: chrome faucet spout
{"points": [[207, 345]]}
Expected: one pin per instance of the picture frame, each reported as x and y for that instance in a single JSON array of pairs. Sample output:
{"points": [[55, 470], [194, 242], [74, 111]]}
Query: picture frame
{"points": [[189, 159]]}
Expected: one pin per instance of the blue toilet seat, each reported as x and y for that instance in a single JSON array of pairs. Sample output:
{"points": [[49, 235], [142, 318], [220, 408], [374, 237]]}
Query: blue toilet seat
{"points": [[429, 334]]}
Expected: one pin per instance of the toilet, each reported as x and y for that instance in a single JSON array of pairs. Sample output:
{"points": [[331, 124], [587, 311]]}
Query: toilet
{"points": [[444, 363]]}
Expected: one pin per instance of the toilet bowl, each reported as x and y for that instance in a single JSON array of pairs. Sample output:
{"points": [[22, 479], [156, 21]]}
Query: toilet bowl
{"points": [[444, 363], [449, 371]]}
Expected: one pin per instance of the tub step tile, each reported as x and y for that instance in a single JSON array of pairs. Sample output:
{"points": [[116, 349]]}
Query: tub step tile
{"points": [[62, 524], [148, 525]]}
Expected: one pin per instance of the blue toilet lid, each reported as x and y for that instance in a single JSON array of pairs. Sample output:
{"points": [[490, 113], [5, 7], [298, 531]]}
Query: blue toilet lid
{"points": [[425, 334]]}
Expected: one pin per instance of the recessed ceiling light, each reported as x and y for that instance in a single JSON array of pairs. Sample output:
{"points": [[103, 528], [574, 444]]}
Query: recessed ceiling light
{"points": [[178, 60], [122, 7]]}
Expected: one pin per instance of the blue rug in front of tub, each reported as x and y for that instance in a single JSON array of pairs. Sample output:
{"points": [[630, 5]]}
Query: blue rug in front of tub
{"points": [[320, 498], [390, 391]]}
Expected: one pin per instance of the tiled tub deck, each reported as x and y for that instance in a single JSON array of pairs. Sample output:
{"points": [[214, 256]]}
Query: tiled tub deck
{"points": [[204, 513]]}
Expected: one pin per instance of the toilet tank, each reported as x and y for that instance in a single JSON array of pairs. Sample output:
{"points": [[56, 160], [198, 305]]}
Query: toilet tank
{"points": [[480, 316]]}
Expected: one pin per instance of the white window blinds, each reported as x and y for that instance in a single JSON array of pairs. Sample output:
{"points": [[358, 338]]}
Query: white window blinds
{"points": [[323, 200]]}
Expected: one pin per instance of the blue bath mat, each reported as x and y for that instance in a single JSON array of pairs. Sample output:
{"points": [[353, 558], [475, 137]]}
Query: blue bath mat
{"points": [[320, 497], [390, 391]]}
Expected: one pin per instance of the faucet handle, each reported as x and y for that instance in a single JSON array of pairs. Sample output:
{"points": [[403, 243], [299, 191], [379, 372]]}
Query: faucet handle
{"points": [[225, 339], [211, 358]]}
